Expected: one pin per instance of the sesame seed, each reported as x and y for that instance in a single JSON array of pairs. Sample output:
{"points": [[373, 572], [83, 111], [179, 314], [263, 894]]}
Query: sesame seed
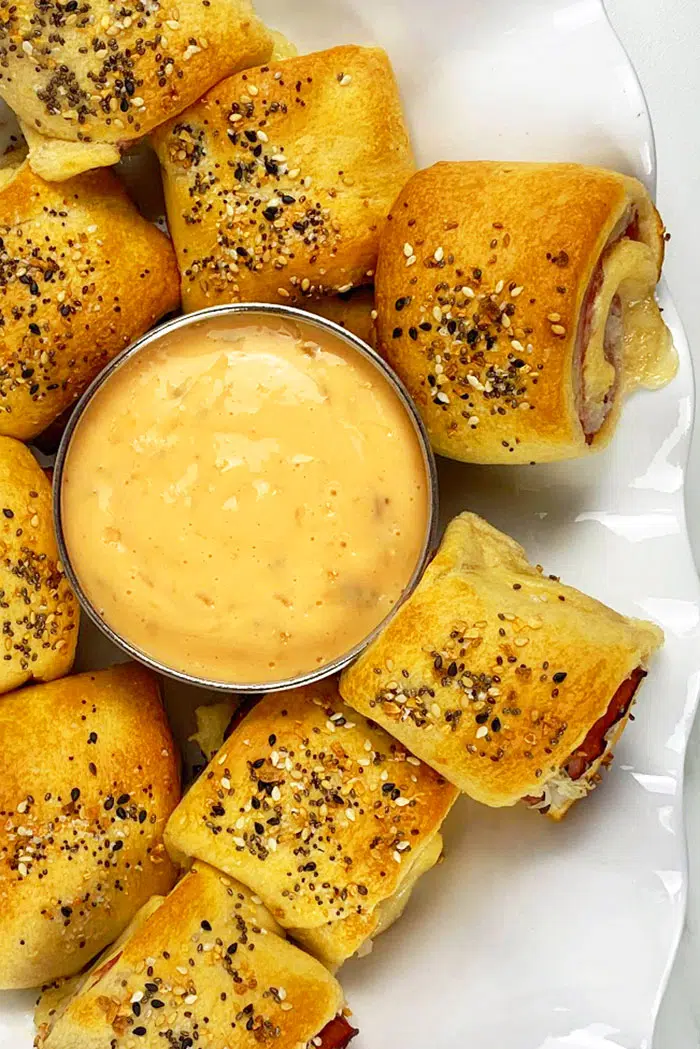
{"points": [[439, 254], [481, 732], [514, 292], [558, 329], [554, 317], [468, 292], [345, 79]]}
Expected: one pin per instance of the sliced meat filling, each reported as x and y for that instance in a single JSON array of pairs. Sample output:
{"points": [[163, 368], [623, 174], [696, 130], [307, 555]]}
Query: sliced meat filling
{"points": [[594, 405], [594, 745], [335, 1035]]}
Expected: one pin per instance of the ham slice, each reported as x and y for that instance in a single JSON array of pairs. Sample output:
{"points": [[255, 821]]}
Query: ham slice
{"points": [[335, 1035], [594, 414], [595, 742]]}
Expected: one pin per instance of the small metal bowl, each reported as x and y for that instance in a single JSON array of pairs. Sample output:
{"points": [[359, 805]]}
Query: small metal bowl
{"points": [[252, 309]]}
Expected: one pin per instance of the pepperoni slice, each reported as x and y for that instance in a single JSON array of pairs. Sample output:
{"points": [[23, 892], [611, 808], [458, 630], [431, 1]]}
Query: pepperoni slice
{"points": [[337, 1034], [594, 744]]}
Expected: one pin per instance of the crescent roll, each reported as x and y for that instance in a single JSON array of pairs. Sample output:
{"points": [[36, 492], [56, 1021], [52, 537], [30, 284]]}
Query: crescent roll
{"points": [[86, 80], [279, 180], [38, 611], [84, 275], [326, 817], [512, 685], [516, 302], [90, 775], [202, 967]]}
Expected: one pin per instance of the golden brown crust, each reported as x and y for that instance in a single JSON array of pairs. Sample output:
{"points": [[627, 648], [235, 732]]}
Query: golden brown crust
{"points": [[55, 996], [492, 672], [347, 804], [98, 78], [263, 203], [481, 279], [39, 614], [90, 775], [81, 276], [203, 954]]}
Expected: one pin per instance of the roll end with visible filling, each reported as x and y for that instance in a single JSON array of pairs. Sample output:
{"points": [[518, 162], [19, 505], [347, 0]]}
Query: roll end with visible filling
{"points": [[512, 685], [202, 966], [516, 301]]}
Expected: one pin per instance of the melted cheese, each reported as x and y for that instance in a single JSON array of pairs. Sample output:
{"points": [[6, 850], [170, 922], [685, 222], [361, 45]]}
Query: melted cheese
{"points": [[650, 357], [646, 353], [212, 722], [390, 910]]}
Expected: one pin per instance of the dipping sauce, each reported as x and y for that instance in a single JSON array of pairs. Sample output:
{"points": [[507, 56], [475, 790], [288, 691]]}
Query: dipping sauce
{"points": [[245, 499]]}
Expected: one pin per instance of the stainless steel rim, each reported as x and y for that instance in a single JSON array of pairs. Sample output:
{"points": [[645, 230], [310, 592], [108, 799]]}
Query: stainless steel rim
{"points": [[184, 321]]}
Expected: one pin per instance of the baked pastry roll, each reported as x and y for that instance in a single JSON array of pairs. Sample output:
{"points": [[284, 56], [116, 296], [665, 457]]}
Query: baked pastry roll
{"points": [[279, 180], [512, 685], [516, 302], [86, 81], [203, 967], [83, 275], [90, 775], [55, 995], [39, 613], [318, 811]]}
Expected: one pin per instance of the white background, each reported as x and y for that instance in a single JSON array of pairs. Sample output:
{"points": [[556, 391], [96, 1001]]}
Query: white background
{"points": [[663, 41]]}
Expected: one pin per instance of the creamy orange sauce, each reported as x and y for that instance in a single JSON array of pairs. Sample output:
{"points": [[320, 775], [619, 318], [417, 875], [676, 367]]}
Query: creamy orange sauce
{"points": [[245, 501]]}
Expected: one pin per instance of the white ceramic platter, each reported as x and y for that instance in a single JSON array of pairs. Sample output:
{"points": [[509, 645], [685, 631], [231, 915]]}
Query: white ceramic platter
{"points": [[531, 935]]}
